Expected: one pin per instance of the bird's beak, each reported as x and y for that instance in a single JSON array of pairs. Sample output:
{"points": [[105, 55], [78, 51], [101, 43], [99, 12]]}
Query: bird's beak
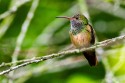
{"points": [[69, 18]]}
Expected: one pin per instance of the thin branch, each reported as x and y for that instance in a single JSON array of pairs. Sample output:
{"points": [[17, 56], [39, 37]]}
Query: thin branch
{"points": [[113, 40], [107, 7], [22, 34], [13, 9], [9, 15], [5, 24], [50, 67], [24, 29], [17, 62]]}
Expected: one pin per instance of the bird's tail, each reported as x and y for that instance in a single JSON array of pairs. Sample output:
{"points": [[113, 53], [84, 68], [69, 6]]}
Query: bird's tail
{"points": [[91, 57]]}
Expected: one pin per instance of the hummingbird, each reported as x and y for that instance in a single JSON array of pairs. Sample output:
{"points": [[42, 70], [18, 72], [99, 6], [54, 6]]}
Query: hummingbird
{"points": [[82, 35]]}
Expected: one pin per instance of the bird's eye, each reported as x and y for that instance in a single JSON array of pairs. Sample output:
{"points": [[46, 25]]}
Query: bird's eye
{"points": [[77, 18]]}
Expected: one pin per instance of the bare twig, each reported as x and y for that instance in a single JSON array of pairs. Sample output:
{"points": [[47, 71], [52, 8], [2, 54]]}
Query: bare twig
{"points": [[17, 62], [13, 9], [24, 29], [107, 7], [113, 40], [51, 66], [9, 15], [5, 25], [109, 76], [23, 32]]}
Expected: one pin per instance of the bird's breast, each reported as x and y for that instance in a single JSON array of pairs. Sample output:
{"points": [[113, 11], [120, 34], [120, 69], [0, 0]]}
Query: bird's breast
{"points": [[81, 39]]}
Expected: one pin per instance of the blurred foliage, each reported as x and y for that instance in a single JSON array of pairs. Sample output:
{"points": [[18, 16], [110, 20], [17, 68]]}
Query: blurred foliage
{"points": [[78, 75], [106, 26]]}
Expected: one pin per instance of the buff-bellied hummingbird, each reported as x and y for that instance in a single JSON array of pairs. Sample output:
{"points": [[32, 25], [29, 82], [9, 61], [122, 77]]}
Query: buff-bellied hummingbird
{"points": [[82, 35]]}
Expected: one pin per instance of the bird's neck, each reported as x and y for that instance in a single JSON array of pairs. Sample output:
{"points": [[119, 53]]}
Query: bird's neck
{"points": [[77, 30]]}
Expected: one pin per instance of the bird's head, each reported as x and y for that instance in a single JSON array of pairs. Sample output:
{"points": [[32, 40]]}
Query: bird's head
{"points": [[77, 21]]}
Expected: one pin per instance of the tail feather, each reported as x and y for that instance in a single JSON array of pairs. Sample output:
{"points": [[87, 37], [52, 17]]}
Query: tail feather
{"points": [[91, 57]]}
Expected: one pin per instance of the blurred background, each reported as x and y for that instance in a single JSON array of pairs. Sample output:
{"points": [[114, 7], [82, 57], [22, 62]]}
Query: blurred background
{"points": [[28, 28]]}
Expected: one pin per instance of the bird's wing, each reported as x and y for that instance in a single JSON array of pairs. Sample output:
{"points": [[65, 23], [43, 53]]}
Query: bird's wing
{"points": [[91, 30]]}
